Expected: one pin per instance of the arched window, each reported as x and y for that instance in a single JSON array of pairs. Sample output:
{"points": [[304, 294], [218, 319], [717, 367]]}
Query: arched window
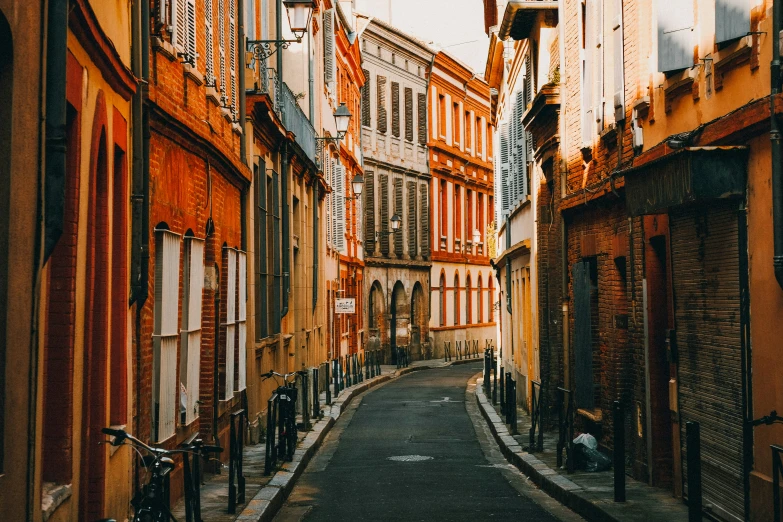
{"points": [[442, 299], [456, 299], [480, 302], [490, 300], [468, 302]]}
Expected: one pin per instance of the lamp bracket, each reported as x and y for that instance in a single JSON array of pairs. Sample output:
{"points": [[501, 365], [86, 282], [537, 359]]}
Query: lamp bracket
{"points": [[263, 49]]}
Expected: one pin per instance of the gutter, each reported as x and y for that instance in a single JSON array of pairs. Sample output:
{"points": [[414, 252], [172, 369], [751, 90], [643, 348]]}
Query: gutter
{"points": [[776, 153], [241, 79]]}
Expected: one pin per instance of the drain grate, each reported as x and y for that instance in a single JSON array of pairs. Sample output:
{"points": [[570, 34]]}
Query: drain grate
{"points": [[409, 458]]}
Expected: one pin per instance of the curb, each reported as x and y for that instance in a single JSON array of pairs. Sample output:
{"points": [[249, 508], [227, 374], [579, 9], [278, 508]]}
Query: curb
{"points": [[269, 499], [555, 485]]}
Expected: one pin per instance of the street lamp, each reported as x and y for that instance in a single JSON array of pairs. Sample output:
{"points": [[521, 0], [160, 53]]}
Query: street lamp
{"points": [[395, 223], [300, 12], [357, 183], [476, 236], [342, 119]]}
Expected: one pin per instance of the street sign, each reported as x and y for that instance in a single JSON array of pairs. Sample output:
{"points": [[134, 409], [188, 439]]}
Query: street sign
{"points": [[345, 306]]}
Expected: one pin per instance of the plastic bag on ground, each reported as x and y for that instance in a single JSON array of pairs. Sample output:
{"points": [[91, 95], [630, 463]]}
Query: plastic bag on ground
{"points": [[587, 440], [587, 455]]}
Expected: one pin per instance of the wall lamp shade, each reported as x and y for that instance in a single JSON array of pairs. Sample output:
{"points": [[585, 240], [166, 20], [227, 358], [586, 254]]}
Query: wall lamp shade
{"points": [[476, 237], [358, 184], [342, 119], [299, 14], [395, 222]]}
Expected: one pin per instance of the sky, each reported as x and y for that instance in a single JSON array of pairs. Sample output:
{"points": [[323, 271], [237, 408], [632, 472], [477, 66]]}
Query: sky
{"points": [[457, 26]]}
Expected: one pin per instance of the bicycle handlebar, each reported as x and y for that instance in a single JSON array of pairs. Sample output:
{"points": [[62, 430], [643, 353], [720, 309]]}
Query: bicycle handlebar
{"points": [[121, 435]]}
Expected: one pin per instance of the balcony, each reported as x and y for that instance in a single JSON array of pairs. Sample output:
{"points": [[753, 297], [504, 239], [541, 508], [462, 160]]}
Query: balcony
{"points": [[521, 15]]}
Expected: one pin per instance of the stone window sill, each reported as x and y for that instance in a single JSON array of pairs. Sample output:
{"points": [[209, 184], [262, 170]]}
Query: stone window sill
{"points": [[52, 497], [165, 48], [594, 415]]}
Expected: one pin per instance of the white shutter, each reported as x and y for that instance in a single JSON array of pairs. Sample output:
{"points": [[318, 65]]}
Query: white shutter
{"points": [[339, 207], [191, 32], [732, 19], [505, 169], [242, 322], [222, 45], [164, 387], [190, 359], [599, 65], [179, 24], [231, 295], [329, 201], [232, 42], [587, 77], [209, 37], [329, 61], [675, 35], [163, 12], [619, 61]]}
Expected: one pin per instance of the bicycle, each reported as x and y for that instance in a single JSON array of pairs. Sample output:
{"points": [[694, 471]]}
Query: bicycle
{"points": [[287, 430], [149, 503]]}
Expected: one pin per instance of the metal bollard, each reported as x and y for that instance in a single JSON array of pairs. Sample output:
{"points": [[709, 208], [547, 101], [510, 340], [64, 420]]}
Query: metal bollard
{"points": [[494, 381], [336, 377], [502, 392], [693, 446], [619, 452]]}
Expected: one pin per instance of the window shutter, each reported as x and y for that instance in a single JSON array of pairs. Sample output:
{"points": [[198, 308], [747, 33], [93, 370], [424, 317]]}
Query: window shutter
{"points": [[598, 104], [369, 211], [262, 270], [588, 119], [329, 201], [232, 42], [408, 114], [520, 145], [675, 35], [339, 208], [382, 121], [399, 212], [422, 117], [384, 225], [412, 219], [231, 302], [163, 12], [190, 363], [179, 37], [329, 62], [424, 206], [732, 19], [242, 320], [395, 95], [531, 93], [366, 117], [505, 168], [209, 37], [222, 45], [619, 61]]}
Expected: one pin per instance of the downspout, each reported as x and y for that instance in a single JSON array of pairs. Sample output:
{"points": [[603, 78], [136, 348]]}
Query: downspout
{"points": [[283, 170], [311, 72], [316, 246], [242, 73], [775, 137], [564, 296]]}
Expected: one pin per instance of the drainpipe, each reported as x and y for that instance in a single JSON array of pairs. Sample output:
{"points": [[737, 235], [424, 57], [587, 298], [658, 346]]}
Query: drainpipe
{"points": [[242, 73], [775, 137], [564, 297], [283, 170]]}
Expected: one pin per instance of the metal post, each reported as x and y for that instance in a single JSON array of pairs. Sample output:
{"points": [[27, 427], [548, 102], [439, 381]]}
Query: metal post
{"points": [[619, 452], [305, 402], [494, 380], [336, 377], [693, 446], [502, 392]]}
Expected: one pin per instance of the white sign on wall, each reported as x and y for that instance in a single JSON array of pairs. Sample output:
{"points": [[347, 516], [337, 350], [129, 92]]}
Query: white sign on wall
{"points": [[345, 306]]}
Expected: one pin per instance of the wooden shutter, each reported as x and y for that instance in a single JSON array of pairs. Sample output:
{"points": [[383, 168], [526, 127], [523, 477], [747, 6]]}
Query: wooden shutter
{"points": [[242, 322], [732, 19], [190, 360], [329, 62], [381, 101], [598, 104], [366, 113], [232, 42], [230, 324], [369, 211], [222, 45], [587, 123], [163, 12], [209, 36], [520, 145], [329, 200], [179, 23], [395, 96], [619, 61], [422, 117], [583, 336], [675, 35], [412, 221], [384, 225], [424, 213], [398, 211], [262, 270], [505, 170], [408, 114], [339, 207]]}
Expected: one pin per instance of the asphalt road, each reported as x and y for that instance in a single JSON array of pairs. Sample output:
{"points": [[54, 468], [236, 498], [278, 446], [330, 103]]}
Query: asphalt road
{"points": [[414, 449]]}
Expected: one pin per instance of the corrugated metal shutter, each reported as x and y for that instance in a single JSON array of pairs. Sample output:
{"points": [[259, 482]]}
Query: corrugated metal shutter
{"points": [[424, 205], [412, 219], [400, 214], [675, 35], [366, 117], [422, 117], [395, 95], [408, 114], [732, 19], [705, 275], [619, 61], [384, 203], [369, 211], [583, 336], [381, 100]]}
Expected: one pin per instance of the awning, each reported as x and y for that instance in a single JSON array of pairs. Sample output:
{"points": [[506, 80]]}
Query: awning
{"points": [[690, 175], [520, 16]]}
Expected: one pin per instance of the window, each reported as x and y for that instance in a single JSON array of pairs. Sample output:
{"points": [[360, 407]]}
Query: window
{"points": [[262, 266], [675, 34], [381, 103], [480, 217], [118, 409], [468, 301], [229, 298], [408, 114], [366, 117], [209, 37], [241, 382], [732, 19], [456, 299], [469, 229], [455, 120], [422, 116], [395, 97], [442, 299], [479, 137], [442, 115], [165, 333], [619, 60], [232, 52], [480, 301], [468, 133], [184, 28], [457, 212], [444, 209], [190, 360]]}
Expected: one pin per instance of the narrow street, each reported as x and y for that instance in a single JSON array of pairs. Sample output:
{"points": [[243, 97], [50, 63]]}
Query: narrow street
{"points": [[411, 450]]}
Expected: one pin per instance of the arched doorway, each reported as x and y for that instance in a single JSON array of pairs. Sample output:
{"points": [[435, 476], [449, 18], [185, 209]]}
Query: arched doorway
{"points": [[376, 307], [400, 321], [419, 319]]}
